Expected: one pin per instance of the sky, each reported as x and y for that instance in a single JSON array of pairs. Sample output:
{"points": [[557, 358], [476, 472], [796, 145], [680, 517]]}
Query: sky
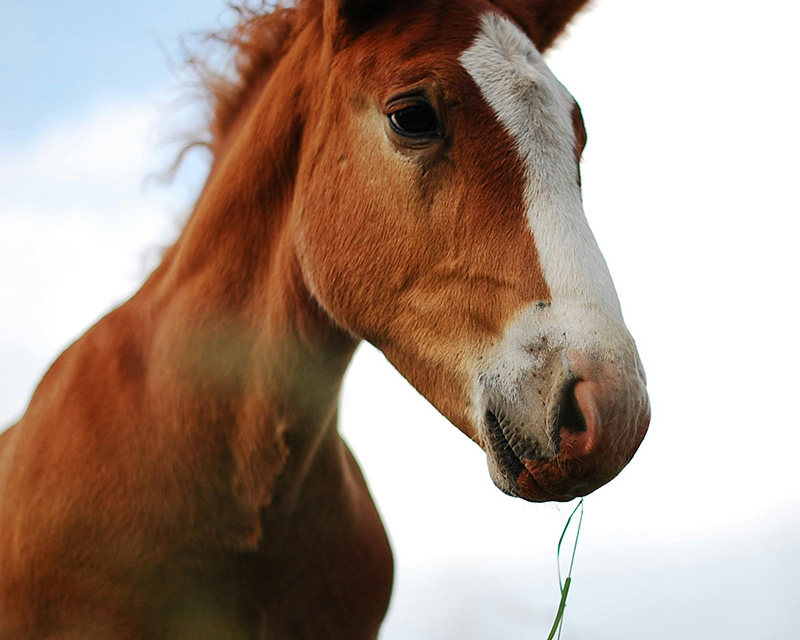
{"points": [[689, 183]]}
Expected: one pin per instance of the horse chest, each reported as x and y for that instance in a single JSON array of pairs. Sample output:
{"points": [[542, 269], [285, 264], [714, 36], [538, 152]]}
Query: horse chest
{"points": [[328, 568], [323, 567]]}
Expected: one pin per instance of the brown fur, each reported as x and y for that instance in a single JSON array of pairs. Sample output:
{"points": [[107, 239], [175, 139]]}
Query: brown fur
{"points": [[178, 472], [543, 20], [260, 38]]}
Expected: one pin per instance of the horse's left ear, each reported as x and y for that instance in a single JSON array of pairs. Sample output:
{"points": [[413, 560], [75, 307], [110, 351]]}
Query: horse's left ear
{"points": [[346, 17], [544, 20]]}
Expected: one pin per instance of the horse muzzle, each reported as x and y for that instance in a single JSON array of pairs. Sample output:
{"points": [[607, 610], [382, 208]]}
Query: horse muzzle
{"points": [[564, 428]]}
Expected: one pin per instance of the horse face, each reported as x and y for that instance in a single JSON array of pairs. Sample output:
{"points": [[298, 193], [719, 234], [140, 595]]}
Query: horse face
{"points": [[442, 221]]}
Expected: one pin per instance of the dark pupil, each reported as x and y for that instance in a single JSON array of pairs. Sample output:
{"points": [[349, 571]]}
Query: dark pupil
{"points": [[415, 119]]}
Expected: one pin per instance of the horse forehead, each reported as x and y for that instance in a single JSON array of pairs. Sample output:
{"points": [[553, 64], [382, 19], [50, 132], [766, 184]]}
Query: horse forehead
{"points": [[516, 81]]}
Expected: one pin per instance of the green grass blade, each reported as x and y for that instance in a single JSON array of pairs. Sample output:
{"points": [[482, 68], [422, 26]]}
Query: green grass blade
{"points": [[560, 613], [564, 586]]}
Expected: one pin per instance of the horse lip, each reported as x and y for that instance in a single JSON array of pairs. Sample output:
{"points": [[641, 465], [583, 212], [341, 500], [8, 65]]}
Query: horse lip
{"points": [[530, 489], [514, 452], [519, 481], [500, 445]]}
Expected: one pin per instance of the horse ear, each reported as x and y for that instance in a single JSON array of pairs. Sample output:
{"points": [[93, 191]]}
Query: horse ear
{"points": [[544, 20], [344, 17]]}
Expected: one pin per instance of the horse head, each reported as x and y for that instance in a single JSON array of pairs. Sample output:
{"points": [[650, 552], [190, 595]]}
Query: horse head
{"points": [[438, 215]]}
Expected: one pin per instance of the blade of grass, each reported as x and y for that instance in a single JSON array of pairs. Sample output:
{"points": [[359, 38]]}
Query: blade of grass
{"points": [[564, 586]]}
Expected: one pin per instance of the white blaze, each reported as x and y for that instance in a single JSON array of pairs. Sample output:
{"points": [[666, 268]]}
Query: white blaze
{"points": [[536, 110], [529, 365]]}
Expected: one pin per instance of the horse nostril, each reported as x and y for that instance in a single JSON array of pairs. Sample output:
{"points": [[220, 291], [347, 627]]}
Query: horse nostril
{"points": [[579, 424], [570, 416]]}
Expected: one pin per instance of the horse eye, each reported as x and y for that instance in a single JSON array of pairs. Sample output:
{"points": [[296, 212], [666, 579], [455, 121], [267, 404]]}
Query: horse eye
{"points": [[416, 121]]}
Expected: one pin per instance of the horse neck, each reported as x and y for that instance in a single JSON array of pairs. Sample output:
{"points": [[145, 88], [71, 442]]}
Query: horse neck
{"points": [[239, 344]]}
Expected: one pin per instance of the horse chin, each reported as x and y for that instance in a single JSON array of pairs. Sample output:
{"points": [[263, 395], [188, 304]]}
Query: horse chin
{"points": [[541, 480], [521, 479], [548, 481], [533, 491]]}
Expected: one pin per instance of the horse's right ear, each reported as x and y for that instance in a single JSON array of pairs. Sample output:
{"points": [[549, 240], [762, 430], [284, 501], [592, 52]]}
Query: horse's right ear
{"points": [[341, 18], [544, 20]]}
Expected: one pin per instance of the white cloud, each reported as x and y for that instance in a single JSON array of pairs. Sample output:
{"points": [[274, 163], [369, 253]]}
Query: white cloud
{"points": [[111, 143], [78, 233]]}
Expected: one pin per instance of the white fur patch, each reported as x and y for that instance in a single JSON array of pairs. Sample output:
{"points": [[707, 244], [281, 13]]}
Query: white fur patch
{"points": [[536, 110]]}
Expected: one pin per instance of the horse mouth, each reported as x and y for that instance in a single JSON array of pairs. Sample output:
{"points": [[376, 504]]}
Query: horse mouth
{"points": [[499, 432], [517, 461]]}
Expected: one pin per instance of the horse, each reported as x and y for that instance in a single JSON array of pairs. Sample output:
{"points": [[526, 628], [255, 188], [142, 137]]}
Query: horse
{"points": [[405, 173]]}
